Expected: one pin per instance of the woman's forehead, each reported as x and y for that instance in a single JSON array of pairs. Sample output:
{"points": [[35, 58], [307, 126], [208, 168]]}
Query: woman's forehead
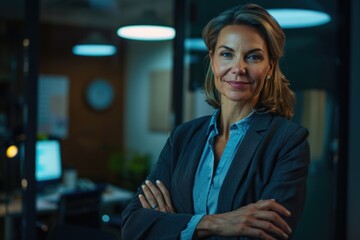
{"points": [[235, 36]]}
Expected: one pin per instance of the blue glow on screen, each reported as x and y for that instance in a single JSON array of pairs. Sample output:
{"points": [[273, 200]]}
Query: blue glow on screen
{"points": [[48, 160]]}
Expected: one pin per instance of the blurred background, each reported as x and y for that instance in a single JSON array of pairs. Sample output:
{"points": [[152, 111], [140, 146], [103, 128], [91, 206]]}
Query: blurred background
{"points": [[112, 111]]}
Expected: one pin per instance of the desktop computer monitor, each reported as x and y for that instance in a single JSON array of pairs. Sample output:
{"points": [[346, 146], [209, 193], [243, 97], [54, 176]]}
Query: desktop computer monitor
{"points": [[48, 163]]}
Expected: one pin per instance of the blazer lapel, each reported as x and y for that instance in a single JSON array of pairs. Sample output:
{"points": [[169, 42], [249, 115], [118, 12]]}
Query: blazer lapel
{"points": [[241, 161], [187, 168]]}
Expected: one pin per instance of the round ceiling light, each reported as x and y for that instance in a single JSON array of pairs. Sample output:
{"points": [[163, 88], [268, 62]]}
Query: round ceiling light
{"points": [[94, 50], [94, 45], [299, 18], [146, 32]]}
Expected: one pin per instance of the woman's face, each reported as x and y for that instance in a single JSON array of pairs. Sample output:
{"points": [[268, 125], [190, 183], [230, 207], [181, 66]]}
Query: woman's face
{"points": [[240, 64]]}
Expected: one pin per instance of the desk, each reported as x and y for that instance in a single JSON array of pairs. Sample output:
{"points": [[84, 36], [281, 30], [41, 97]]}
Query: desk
{"points": [[48, 203]]}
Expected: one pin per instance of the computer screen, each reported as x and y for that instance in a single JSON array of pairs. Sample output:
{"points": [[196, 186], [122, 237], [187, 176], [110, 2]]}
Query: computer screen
{"points": [[48, 163]]}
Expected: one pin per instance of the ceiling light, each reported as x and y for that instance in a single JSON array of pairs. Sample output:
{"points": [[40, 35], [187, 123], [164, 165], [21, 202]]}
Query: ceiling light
{"points": [[95, 45], [195, 44], [299, 18], [147, 28], [146, 32]]}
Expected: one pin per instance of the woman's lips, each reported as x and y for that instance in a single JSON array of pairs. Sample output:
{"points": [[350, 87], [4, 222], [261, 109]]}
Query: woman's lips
{"points": [[238, 84]]}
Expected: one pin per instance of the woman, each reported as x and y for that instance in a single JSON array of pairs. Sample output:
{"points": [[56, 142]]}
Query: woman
{"points": [[240, 173]]}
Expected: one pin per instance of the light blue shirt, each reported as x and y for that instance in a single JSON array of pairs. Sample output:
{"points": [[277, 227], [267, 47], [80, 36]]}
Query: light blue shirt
{"points": [[208, 180]]}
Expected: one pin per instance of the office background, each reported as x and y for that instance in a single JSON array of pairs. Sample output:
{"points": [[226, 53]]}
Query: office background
{"points": [[322, 69]]}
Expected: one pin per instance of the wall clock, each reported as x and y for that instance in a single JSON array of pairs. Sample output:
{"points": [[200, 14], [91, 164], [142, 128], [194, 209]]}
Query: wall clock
{"points": [[100, 94]]}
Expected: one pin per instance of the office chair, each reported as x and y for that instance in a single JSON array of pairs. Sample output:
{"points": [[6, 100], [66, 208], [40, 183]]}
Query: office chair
{"points": [[80, 208], [78, 217]]}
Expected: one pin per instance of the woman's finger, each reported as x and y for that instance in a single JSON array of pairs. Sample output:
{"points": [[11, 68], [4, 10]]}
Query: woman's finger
{"points": [[271, 204], [165, 193], [270, 211], [269, 227], [143, 201], [273, 217], [149, 197], [157, 195]]}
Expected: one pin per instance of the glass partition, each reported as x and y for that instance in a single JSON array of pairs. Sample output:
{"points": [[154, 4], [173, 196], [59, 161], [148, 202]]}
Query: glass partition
{"points": [[310, 63], [12, 97]]}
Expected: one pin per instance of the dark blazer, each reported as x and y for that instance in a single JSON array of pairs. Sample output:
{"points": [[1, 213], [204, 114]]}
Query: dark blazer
{"points": [[271, 163]]}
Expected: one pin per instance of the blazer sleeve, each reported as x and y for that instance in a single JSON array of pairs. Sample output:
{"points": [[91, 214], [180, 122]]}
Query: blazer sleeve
{"points": [[141, 223], [287, 183]]}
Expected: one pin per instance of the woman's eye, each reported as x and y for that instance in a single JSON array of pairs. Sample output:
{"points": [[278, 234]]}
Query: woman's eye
{"points": [[226, 54], [254, 58]]}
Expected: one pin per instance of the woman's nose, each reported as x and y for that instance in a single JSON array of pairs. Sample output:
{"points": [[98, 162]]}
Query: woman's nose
{"points": [[239, 67]]}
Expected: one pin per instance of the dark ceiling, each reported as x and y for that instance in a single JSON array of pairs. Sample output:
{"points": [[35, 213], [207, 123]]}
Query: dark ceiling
{"points": [[113, 13], [308, 51]]}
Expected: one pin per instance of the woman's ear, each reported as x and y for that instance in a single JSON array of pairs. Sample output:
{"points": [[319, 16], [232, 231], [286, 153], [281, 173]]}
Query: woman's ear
{"points": [[271, 70]]}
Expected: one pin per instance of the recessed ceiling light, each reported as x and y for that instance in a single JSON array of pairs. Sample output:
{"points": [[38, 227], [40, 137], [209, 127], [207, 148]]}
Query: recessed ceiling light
{"points": [[147, 27], [299, 18], [94, 45], [146, 32], [94, 50]]}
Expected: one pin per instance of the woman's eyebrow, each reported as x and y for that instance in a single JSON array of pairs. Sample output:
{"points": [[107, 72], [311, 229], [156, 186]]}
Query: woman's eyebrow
{"points": [[226, 47], [255, 50], [249, 51]]}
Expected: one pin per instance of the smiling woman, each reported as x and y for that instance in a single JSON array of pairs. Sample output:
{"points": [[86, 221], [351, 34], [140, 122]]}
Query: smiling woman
{"points": [[262, 58], [240, 64], [242, 171]]}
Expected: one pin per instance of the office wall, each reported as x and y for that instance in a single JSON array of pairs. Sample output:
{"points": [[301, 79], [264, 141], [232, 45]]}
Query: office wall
{"points": [[93, 135], [143, 58], [354, 126]]}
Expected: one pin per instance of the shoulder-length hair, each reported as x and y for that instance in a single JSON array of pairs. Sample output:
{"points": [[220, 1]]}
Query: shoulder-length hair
{"points": [[276, 96]]}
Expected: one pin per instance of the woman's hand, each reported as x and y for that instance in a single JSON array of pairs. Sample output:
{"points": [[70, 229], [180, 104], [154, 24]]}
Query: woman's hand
{"points": [[258, 220], [156, 197]]}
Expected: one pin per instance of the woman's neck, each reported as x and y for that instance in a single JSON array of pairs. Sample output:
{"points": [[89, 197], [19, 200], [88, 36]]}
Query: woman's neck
{"points": [[230, 114]]}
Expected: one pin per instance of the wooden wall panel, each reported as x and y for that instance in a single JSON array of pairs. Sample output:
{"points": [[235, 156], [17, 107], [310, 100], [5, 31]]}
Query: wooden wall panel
{"points": [[93, 135]]}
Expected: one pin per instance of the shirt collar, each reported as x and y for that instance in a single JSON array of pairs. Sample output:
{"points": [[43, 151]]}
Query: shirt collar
{"points": [[239, 124], [213, 123]]}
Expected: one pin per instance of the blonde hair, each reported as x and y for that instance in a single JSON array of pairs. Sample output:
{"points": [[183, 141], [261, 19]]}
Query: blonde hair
{"points": [[276, 96]]}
